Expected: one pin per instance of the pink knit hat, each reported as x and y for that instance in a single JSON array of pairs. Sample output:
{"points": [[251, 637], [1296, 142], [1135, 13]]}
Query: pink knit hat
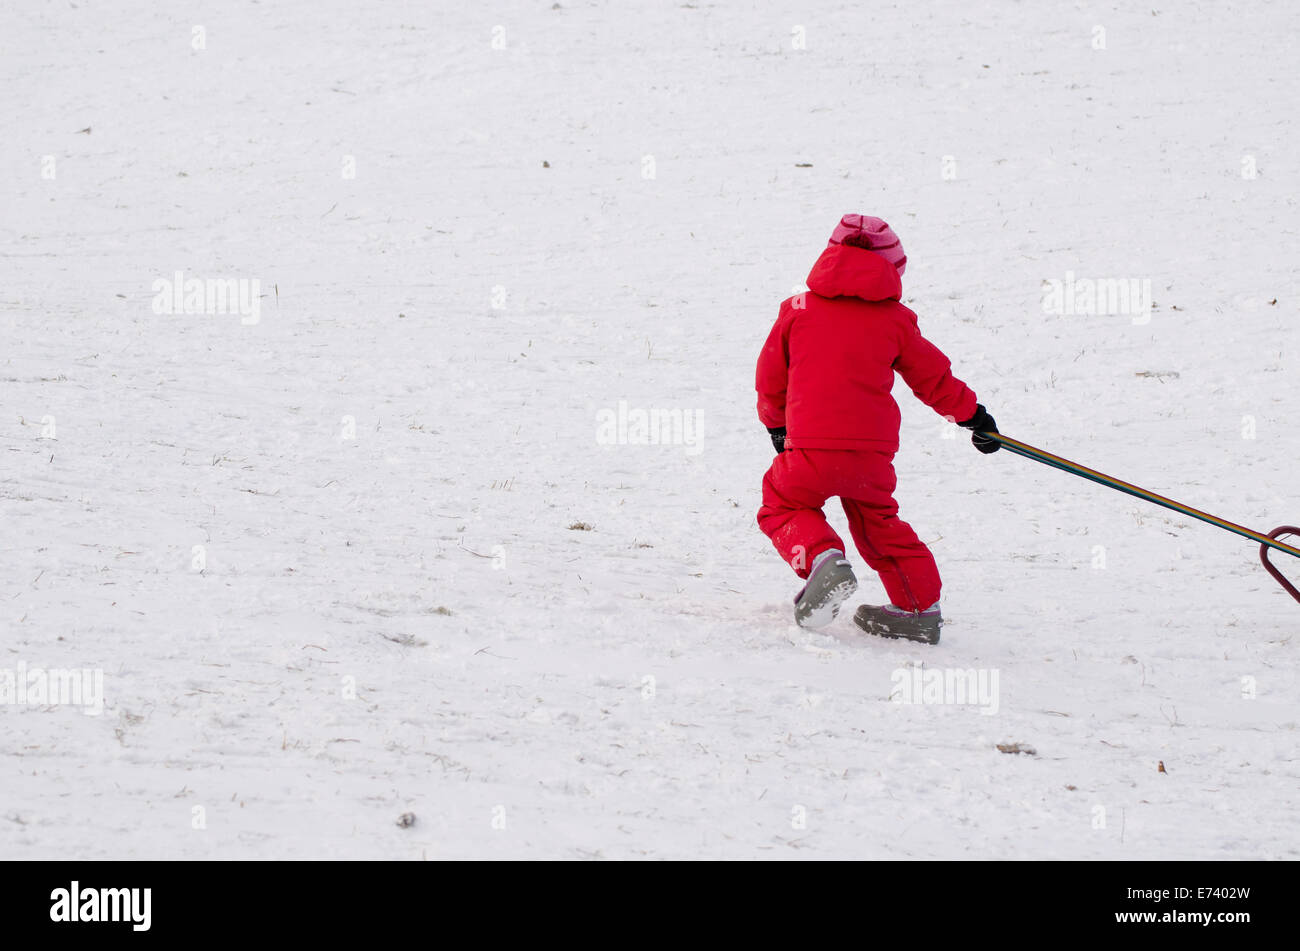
{"points": [[863, 231]]}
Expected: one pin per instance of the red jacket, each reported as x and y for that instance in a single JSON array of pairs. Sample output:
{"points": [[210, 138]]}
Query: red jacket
{"points": [[828, 365]]}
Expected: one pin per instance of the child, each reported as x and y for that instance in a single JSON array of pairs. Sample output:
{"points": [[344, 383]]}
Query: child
{"points": [[824, 380]]}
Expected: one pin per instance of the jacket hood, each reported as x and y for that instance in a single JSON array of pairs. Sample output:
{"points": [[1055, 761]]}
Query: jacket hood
{"points": [[846, 271]]}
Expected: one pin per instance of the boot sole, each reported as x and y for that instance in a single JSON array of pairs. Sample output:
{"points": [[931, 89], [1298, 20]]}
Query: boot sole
{"points": [[829, 609]]}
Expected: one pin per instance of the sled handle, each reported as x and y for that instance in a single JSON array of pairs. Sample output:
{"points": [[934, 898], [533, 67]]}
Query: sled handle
{"points": [[1272, 568], [1092, 475]]}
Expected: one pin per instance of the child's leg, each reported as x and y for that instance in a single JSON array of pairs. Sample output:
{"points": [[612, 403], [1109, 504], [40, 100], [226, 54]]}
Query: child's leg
{"points": [[889, 545], [792, 512], [905, 565]]}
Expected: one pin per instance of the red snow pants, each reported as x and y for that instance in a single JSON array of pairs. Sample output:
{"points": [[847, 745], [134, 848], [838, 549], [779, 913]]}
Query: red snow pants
{"points": [[798, 485]]}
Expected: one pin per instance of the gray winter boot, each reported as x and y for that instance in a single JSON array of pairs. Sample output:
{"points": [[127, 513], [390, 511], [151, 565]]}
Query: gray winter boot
{"points": [[830, 584], [895, 622]]}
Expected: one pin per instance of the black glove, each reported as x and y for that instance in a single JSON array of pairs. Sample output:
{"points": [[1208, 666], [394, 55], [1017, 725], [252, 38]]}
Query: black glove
{"points": [[778, 437], [982, 423]]}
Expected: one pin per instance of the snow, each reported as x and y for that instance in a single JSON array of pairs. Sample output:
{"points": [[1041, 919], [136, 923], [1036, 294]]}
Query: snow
{"points": [[609, 209]]}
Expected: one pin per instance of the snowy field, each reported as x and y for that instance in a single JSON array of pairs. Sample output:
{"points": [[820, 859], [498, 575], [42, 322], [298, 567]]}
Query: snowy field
{"points": [[323, 550]]}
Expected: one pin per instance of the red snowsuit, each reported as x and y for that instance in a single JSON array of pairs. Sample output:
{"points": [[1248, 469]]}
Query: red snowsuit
{"points": [[825, 374]]}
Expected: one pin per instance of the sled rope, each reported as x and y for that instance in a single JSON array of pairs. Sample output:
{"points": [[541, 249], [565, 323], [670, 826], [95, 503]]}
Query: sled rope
{"points": [[1092, 475]]}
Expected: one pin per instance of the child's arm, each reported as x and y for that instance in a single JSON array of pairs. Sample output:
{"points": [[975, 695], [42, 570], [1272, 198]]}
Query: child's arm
{"points": [[773, 372], [928, 372]]}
